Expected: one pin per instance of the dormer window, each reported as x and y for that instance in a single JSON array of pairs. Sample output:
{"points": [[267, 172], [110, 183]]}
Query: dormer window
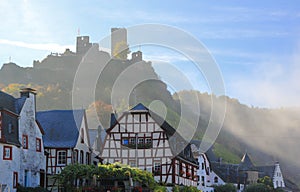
{"points": [[0, 125], [10, 127]]}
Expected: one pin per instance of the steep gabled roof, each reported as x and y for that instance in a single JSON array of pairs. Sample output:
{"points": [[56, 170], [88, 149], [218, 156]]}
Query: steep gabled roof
{"points": [[61, 127], [139, 107], [7, 102], [246, 163]]}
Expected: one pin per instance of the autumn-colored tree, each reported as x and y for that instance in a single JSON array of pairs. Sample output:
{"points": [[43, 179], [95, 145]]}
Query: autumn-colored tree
{"points": [[121, 50]]}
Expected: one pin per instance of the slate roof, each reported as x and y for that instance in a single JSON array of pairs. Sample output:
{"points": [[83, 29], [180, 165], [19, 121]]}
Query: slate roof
{"points": [[267, 170], [174, 137], [246, 163], [61, 127], [9, 119], [229, 173], [19, 103], [7, 102]]}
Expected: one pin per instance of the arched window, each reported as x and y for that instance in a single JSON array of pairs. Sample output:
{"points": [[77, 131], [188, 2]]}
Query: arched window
{"points": [[216, 179], [82, 136], [81, 157]]}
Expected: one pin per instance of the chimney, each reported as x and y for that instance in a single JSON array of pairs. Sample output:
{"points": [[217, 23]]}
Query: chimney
{"points": [[26, 91]]}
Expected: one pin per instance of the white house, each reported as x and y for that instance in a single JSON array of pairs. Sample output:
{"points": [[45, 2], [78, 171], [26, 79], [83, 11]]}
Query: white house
{"points": [[140, 138], [21, 149], [207, 177], [66, 140], [212, 171], [32, 158]]}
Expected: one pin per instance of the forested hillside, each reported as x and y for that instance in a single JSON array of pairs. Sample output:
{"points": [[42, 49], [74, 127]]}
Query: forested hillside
{"points": [[266, 134]]}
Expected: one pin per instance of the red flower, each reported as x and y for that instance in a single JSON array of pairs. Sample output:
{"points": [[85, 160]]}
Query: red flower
{"points": [[138, 189]]}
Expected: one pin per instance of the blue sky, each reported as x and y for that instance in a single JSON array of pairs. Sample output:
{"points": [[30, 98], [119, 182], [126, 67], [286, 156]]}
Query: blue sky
{"points": [[255, 43]]}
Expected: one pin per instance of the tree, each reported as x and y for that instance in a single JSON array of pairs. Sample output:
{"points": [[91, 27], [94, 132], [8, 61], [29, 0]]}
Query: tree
{"points": [[257, 187], [267, 181], [225, 188], [121, 50]]}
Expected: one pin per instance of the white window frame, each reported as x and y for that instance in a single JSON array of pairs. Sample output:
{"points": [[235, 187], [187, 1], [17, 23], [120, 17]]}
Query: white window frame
{"points": [[61, 157]]}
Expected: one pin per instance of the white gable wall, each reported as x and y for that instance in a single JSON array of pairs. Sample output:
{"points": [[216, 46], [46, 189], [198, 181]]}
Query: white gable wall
{"points": [[277, 177], [85, 145], [207, 176], [31, 160]]}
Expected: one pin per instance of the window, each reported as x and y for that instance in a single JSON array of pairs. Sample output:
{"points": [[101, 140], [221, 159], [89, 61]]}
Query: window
{"points": [[75, 156], [0, 125], [61, 158], [125, 141], [148, 141], [132, 163], [81, 157], [157, 168], [25, 141], [141, 141], [15, 179], [10, 127], [132, 140], [216, 179], [87, 158], [82, 135], [26, 178], [202, 180], [7, 153], [38, 145]]}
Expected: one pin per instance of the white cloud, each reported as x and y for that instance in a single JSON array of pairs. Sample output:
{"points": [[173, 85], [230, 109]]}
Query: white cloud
{"points": [[45, 47]]}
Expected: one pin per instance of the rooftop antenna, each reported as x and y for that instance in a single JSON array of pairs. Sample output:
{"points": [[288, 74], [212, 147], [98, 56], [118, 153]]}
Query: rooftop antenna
{"points": [[78, 32], [139, 47], [9, 59]]}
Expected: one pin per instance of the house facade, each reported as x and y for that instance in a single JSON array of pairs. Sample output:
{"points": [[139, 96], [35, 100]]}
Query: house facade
{"points": [[140, 138], [207, 177], [212, 171], [21, 147], [66, 140]]}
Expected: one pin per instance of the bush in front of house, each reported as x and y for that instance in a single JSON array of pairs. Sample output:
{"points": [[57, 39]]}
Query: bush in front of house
{"points": [[20, 188]]}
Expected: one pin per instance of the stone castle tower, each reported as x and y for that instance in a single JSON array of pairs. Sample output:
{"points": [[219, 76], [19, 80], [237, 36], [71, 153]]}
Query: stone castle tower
{"points": [[118, 40], [83, 45]]}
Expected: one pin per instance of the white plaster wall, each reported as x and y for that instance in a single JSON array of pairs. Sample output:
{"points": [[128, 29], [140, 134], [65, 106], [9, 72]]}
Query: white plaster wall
{"points": [[30, 159], [9, 166], [208, 179]]}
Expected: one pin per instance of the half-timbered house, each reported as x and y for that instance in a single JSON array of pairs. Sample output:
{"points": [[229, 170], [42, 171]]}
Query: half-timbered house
{"points": [[66, 140], [141, 138]]}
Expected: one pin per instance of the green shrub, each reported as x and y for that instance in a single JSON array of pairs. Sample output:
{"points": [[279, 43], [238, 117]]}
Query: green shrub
{"points": [[20, 188]]}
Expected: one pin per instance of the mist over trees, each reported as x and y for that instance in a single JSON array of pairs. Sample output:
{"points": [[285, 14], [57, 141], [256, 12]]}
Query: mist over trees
{"points": [[269, 135]]}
